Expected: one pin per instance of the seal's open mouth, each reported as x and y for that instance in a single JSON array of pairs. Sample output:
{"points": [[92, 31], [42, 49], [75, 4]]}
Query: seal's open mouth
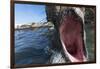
{"points": [[71, 35]]}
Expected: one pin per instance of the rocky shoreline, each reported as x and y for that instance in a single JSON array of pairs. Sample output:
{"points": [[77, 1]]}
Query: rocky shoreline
{"points": [[33, 26]]}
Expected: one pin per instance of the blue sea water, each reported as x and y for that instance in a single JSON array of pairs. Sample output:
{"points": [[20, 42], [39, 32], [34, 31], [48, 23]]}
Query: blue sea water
{"points": [[31, 46]]}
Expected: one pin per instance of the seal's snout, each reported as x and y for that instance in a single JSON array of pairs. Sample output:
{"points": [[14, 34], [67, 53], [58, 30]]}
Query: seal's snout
{"points": [[68, 12]]}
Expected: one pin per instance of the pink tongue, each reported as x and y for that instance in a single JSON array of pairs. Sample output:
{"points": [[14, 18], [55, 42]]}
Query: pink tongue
{"points": [[75, 49]]}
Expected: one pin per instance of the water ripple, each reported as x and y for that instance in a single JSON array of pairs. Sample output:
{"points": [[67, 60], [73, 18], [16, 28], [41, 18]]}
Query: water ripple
{"points": [[30, 46]]}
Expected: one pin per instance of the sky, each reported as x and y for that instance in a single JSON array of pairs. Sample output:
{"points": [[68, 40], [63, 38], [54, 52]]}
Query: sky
{"points": [[28, 13]]}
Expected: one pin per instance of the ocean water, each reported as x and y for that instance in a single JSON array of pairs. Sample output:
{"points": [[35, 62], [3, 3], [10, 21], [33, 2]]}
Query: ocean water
{"points": [[31, 46]]}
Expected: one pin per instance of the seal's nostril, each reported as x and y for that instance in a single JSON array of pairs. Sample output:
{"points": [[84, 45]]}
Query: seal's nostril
{"points": [[68, 11]]}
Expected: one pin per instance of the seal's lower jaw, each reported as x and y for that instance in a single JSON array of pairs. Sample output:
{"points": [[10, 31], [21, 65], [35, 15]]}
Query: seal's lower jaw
{"points": [[74, 57]]}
